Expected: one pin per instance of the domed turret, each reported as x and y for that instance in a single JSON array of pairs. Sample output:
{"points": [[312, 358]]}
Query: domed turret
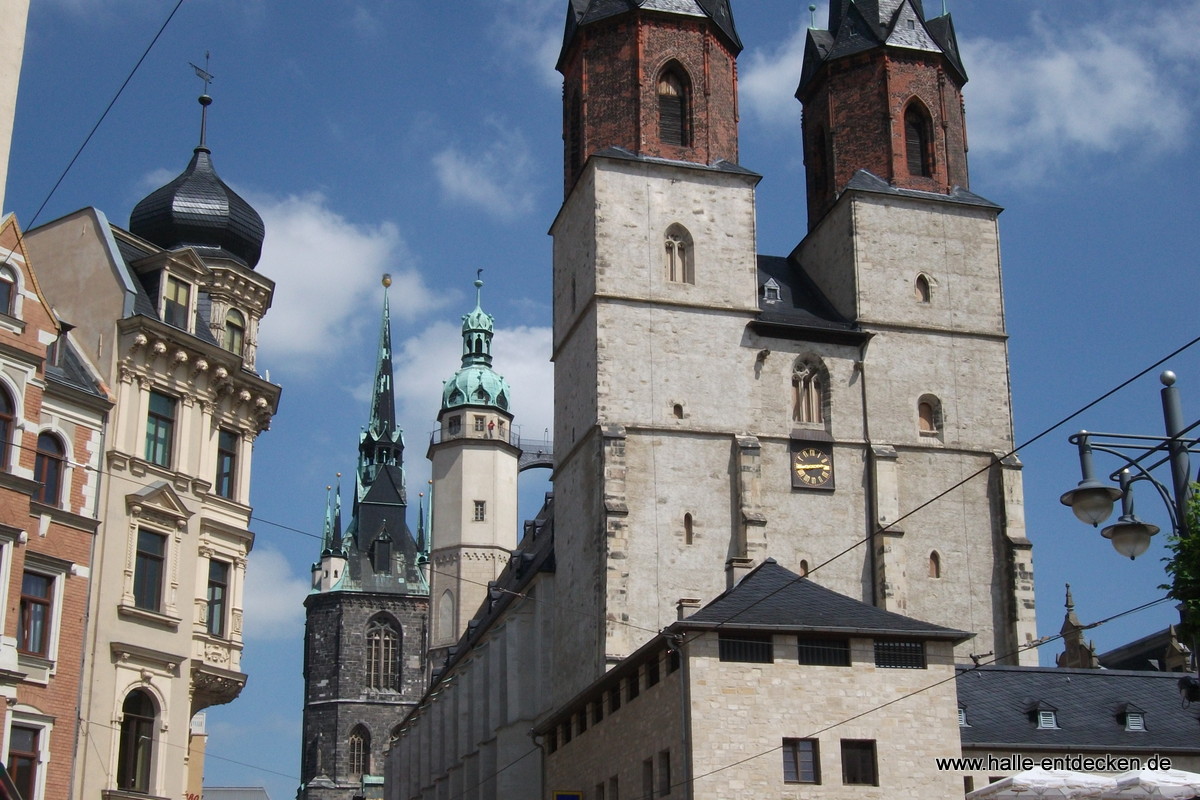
{"points": [[199, 210], [476, 384]]}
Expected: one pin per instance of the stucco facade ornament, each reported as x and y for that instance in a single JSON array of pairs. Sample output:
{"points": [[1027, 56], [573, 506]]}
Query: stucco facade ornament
{"points": [[159, 348]]}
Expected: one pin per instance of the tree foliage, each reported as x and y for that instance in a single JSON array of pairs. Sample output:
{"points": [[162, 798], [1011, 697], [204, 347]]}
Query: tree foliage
{"points": [[1183, 566]]}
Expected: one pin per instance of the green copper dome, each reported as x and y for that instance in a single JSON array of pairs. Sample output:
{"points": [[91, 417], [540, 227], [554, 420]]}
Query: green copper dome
{"points": [[476, 384]]}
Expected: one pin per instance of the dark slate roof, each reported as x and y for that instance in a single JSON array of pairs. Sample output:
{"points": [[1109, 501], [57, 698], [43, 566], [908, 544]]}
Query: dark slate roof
{"points": [[858, 25], [721, 165], [586, 12], [71, 370], [199, 210], [772, 597], [382, 514], [865, 181], [1147, 653], [1088, 704], [802, 310]]}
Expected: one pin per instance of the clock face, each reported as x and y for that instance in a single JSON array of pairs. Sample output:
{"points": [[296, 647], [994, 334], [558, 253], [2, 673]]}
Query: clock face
{"points": [[812, 467]]}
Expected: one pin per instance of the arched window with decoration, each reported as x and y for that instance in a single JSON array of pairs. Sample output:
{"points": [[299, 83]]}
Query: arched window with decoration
{"points": [[48, 467], [8, 422], [674, 106], [809, 385], [929, 415], [679, 256], [383, 655], [135, 748], [359, 752], [235, 331]]}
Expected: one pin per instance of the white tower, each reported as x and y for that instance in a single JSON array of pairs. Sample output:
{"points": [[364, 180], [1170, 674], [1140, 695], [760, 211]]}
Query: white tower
{"points": [[473, 526]]}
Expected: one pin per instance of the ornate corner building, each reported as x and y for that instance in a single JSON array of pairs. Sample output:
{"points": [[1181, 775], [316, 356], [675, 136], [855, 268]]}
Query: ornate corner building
{"points": [[167, 313]]}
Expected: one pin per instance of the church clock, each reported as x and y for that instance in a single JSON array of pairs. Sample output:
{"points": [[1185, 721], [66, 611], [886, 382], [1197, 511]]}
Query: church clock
{"points": [[812, 466]]}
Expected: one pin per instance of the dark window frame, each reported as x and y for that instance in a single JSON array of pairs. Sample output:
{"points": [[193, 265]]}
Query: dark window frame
{"points": [[745, 647], [218, 597], [135, 753], [24, 756], [35, 622], [227, 453], [160, 428], [822, 651], [49, 468], [860, 763], [149, 570], [900, 654], [802, 761]]}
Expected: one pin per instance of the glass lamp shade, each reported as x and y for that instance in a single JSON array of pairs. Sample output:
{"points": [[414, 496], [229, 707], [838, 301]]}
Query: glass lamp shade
{"points": [[1130, 536], [1092, 501]]}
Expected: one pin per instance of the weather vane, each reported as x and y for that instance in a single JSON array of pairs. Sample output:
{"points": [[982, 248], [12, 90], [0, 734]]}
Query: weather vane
{"points": [[205, 100], [202, 72]]}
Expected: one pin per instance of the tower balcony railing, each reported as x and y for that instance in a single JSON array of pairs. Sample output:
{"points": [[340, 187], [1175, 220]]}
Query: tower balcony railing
{"points": [[510, 434]]}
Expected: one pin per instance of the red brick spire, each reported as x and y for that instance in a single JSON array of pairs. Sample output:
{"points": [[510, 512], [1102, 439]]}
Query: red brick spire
{"points": [[653, 77], [882, 92]]}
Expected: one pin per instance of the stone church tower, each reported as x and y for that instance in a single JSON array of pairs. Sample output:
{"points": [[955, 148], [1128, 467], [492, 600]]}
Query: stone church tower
{"points": [[473, 526], [365, 631], [715, 406]]}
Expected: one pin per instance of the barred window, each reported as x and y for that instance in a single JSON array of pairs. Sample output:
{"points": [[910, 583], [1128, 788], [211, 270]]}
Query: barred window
{"points": [[753, 648], [858, 762], [900, 655], [820, 652]]}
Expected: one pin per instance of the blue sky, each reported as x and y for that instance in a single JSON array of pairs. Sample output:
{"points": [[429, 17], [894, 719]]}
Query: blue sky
{"points": [[423, 139]]}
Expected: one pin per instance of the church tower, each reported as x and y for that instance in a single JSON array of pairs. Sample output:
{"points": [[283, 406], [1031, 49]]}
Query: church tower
{"points": [[716, 406], [365, 625], [474, 505]]}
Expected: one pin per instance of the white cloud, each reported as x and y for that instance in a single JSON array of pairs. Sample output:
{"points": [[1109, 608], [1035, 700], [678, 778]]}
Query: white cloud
{"points": [[273, 597], [532, 30], [326, 268], [768, 80], [1112, 86], [495, 180]]}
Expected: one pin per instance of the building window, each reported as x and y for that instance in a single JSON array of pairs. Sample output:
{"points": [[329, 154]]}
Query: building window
{"points": [[820, 652], [235, 332], [227, 446], [480, 424], [454, 426], [899, 655], [664, 773], [614, 788], [648, 778], [48, 468], [688, 529], [801, 761], [614, 698], [148, 570], [962, 717], [935, 565], [33, 627], [136, 747], [1047, 719], [916, 140], [753, 648], [480, 510], [1135, 721], [771, 291], [678, 256], [177, 300], [160, 429], [929, 415], [446, 618], [24, 753], [360, 752], [858, 762], [7, 424], [808, 394], [8, 291], [635, 686], [383, 654], [218, 596], [653, 672], [673, 111], [922, 290]]}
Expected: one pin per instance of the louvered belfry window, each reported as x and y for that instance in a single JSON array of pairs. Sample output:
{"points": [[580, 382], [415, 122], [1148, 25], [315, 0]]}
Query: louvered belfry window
{"points": [[672, 110], [916, 142]]}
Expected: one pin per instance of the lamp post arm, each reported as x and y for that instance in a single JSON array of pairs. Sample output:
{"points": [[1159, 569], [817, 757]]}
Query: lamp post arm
{"points": [[1180, 466], [1143, 474]]}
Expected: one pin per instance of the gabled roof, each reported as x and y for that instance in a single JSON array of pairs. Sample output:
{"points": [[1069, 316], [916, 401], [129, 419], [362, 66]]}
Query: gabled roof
{"points": [[1089, 706], [772, 598]]}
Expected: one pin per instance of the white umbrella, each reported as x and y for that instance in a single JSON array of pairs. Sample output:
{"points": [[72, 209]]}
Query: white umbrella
{"points": [[1167, 783], [1044, 783]]}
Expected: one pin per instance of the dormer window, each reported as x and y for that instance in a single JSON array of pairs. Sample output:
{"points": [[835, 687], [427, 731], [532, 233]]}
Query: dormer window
{"points": [[177, 302], [1135, 721], [235, 331], [962, 717], [1047, 718], [771, 291]]}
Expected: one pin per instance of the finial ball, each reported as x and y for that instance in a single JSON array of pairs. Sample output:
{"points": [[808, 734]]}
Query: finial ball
{"points": [[387, 279], [478, 283], [812, 7], [205, 100], [1167, 378]]}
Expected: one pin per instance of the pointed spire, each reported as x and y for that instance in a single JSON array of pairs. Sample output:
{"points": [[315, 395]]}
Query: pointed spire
{"points": [[336, 533], [477, 330], [421, 547], [327, 531], [382, 442]]}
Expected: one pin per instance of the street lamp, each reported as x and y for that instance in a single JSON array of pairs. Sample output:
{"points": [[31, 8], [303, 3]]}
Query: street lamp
{"points": [[1092, 500]]}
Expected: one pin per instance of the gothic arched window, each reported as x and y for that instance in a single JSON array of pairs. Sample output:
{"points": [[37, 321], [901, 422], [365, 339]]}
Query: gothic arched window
{"points": [[917, 140], [136, 747], [360, 751], [48, 469], [808, 393], [935, 565], [383, 655], [922, 289], [673, 107], [679, 260], [929, 415], [446, 616]]}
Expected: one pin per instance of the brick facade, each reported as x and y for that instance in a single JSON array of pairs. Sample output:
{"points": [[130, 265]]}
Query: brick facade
{"points": [[611, 72]]}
